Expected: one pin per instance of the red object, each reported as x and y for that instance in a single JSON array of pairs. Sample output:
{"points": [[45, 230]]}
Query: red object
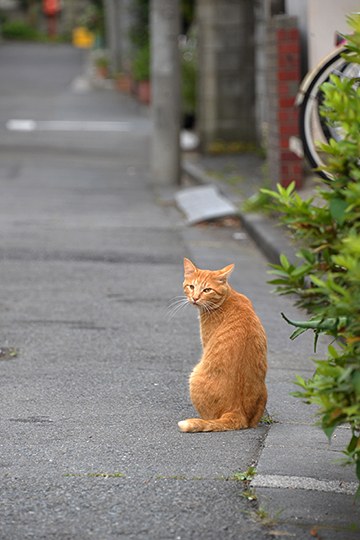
{"points": [[283, 78], [144, 92], [51, 7]]}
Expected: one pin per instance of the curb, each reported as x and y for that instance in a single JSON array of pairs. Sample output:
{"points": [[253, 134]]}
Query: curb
{"points": [[270, 238]]}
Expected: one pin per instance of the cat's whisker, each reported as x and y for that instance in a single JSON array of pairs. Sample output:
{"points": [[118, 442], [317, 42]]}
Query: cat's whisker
{"points": [[176, 306], [177, 300], [176, 311], [212, 307], [173, 304], [178, 303], [213, 310]]}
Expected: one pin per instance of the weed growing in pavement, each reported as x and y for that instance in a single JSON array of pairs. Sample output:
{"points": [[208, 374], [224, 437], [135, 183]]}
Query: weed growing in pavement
{"points": [[268, 420], [95, 475], [256, 512], [250, 494], [264, 517], [245, 476], [173, 477], [7, 353]]}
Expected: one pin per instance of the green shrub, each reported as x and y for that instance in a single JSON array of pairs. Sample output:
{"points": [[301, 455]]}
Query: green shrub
{"points": [[188, 76], [326, 282], [18, 30], [139, 30], [102, 61], [141, 64]]}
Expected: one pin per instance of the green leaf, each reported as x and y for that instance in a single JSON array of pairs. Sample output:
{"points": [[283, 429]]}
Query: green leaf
{"points": [[298, 333], [279, 273], [318, 282], [356, 382], [284, 261], [307, 255], [300, 381], [300, 270], [329, 431], [352, 444], [358, 471], [338, 210], [333, 352], [291, 188]]}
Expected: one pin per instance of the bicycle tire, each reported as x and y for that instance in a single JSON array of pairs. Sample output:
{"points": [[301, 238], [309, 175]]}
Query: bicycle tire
{"points": [[309, 114]]}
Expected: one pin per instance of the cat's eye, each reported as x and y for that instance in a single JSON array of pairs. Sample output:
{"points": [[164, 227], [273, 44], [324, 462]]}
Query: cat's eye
{"points": [[207, 290], [191, 287]]}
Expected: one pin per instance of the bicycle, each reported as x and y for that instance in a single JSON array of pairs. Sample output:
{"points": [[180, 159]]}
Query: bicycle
{"points": [[314, 127]]}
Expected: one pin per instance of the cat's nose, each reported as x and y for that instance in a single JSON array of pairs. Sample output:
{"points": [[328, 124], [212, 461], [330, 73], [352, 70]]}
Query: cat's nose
{"points": [[195, 299]]}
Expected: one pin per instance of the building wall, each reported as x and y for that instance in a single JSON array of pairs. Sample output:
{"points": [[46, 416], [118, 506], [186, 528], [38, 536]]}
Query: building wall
{"points": [[319, 21], [264, 10]]}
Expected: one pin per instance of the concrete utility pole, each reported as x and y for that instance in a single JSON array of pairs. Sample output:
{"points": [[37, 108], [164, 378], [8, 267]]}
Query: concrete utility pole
{"points": [[111, 22], [165, 69]]}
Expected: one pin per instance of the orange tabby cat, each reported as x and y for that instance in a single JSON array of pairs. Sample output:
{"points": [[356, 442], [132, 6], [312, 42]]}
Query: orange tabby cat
{"points": [[227, 386]]}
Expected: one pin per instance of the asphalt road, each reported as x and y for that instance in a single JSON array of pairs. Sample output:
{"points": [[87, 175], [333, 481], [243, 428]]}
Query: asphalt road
{"points": [[89, 261]]}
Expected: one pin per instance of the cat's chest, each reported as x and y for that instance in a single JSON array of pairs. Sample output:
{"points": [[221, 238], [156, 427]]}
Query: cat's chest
{"points": [[209, 331]]}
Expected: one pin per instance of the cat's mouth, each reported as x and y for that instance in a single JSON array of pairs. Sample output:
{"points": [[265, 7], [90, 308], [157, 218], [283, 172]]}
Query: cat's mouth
{"points": [[200, 305], [196, 302]]}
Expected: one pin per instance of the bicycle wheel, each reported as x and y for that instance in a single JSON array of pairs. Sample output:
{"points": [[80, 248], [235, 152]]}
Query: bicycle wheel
{"points": [[314, 127]]}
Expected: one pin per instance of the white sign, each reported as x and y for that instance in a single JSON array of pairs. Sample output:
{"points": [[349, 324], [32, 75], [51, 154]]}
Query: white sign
{"points": [[9, 4]]}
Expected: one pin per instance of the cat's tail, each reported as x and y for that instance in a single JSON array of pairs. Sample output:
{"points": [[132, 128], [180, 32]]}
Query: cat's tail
{"points": [[227, 422]]}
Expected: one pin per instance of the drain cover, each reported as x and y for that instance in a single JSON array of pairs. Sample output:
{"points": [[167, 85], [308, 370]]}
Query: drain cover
{"points": [[204, 203]]}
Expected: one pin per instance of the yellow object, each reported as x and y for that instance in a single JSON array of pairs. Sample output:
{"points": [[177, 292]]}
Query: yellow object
{"points": [[82, 37]]}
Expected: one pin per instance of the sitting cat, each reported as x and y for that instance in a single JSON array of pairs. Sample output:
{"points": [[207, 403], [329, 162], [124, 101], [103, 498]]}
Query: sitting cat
{"points": [[227, 386]]}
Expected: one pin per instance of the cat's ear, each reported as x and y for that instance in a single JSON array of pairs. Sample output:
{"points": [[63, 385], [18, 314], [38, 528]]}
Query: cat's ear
{"points": [[189, 267], [225, 272]]}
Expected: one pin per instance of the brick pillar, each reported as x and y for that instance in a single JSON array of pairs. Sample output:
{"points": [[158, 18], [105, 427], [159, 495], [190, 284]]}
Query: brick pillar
{"points": [[283, 79]]}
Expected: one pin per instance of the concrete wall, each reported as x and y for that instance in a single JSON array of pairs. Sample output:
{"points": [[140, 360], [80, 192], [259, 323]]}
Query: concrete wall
{"points": [[319, 20], [226, 75], [125, 21], [119, 19], [264, 10]]}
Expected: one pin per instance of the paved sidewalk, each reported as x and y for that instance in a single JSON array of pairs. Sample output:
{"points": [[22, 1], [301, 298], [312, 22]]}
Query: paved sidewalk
{"points": [[299, 479], [90, 257]]}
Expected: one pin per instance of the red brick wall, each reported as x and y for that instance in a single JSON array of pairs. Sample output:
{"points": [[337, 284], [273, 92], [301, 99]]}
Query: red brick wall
{"points": [[283, 79]]}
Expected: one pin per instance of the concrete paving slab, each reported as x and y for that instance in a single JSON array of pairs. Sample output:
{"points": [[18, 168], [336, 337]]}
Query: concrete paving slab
{"points": [[203, 203], [297, 470], [303, 451], [93, 507], [305, 513]]}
